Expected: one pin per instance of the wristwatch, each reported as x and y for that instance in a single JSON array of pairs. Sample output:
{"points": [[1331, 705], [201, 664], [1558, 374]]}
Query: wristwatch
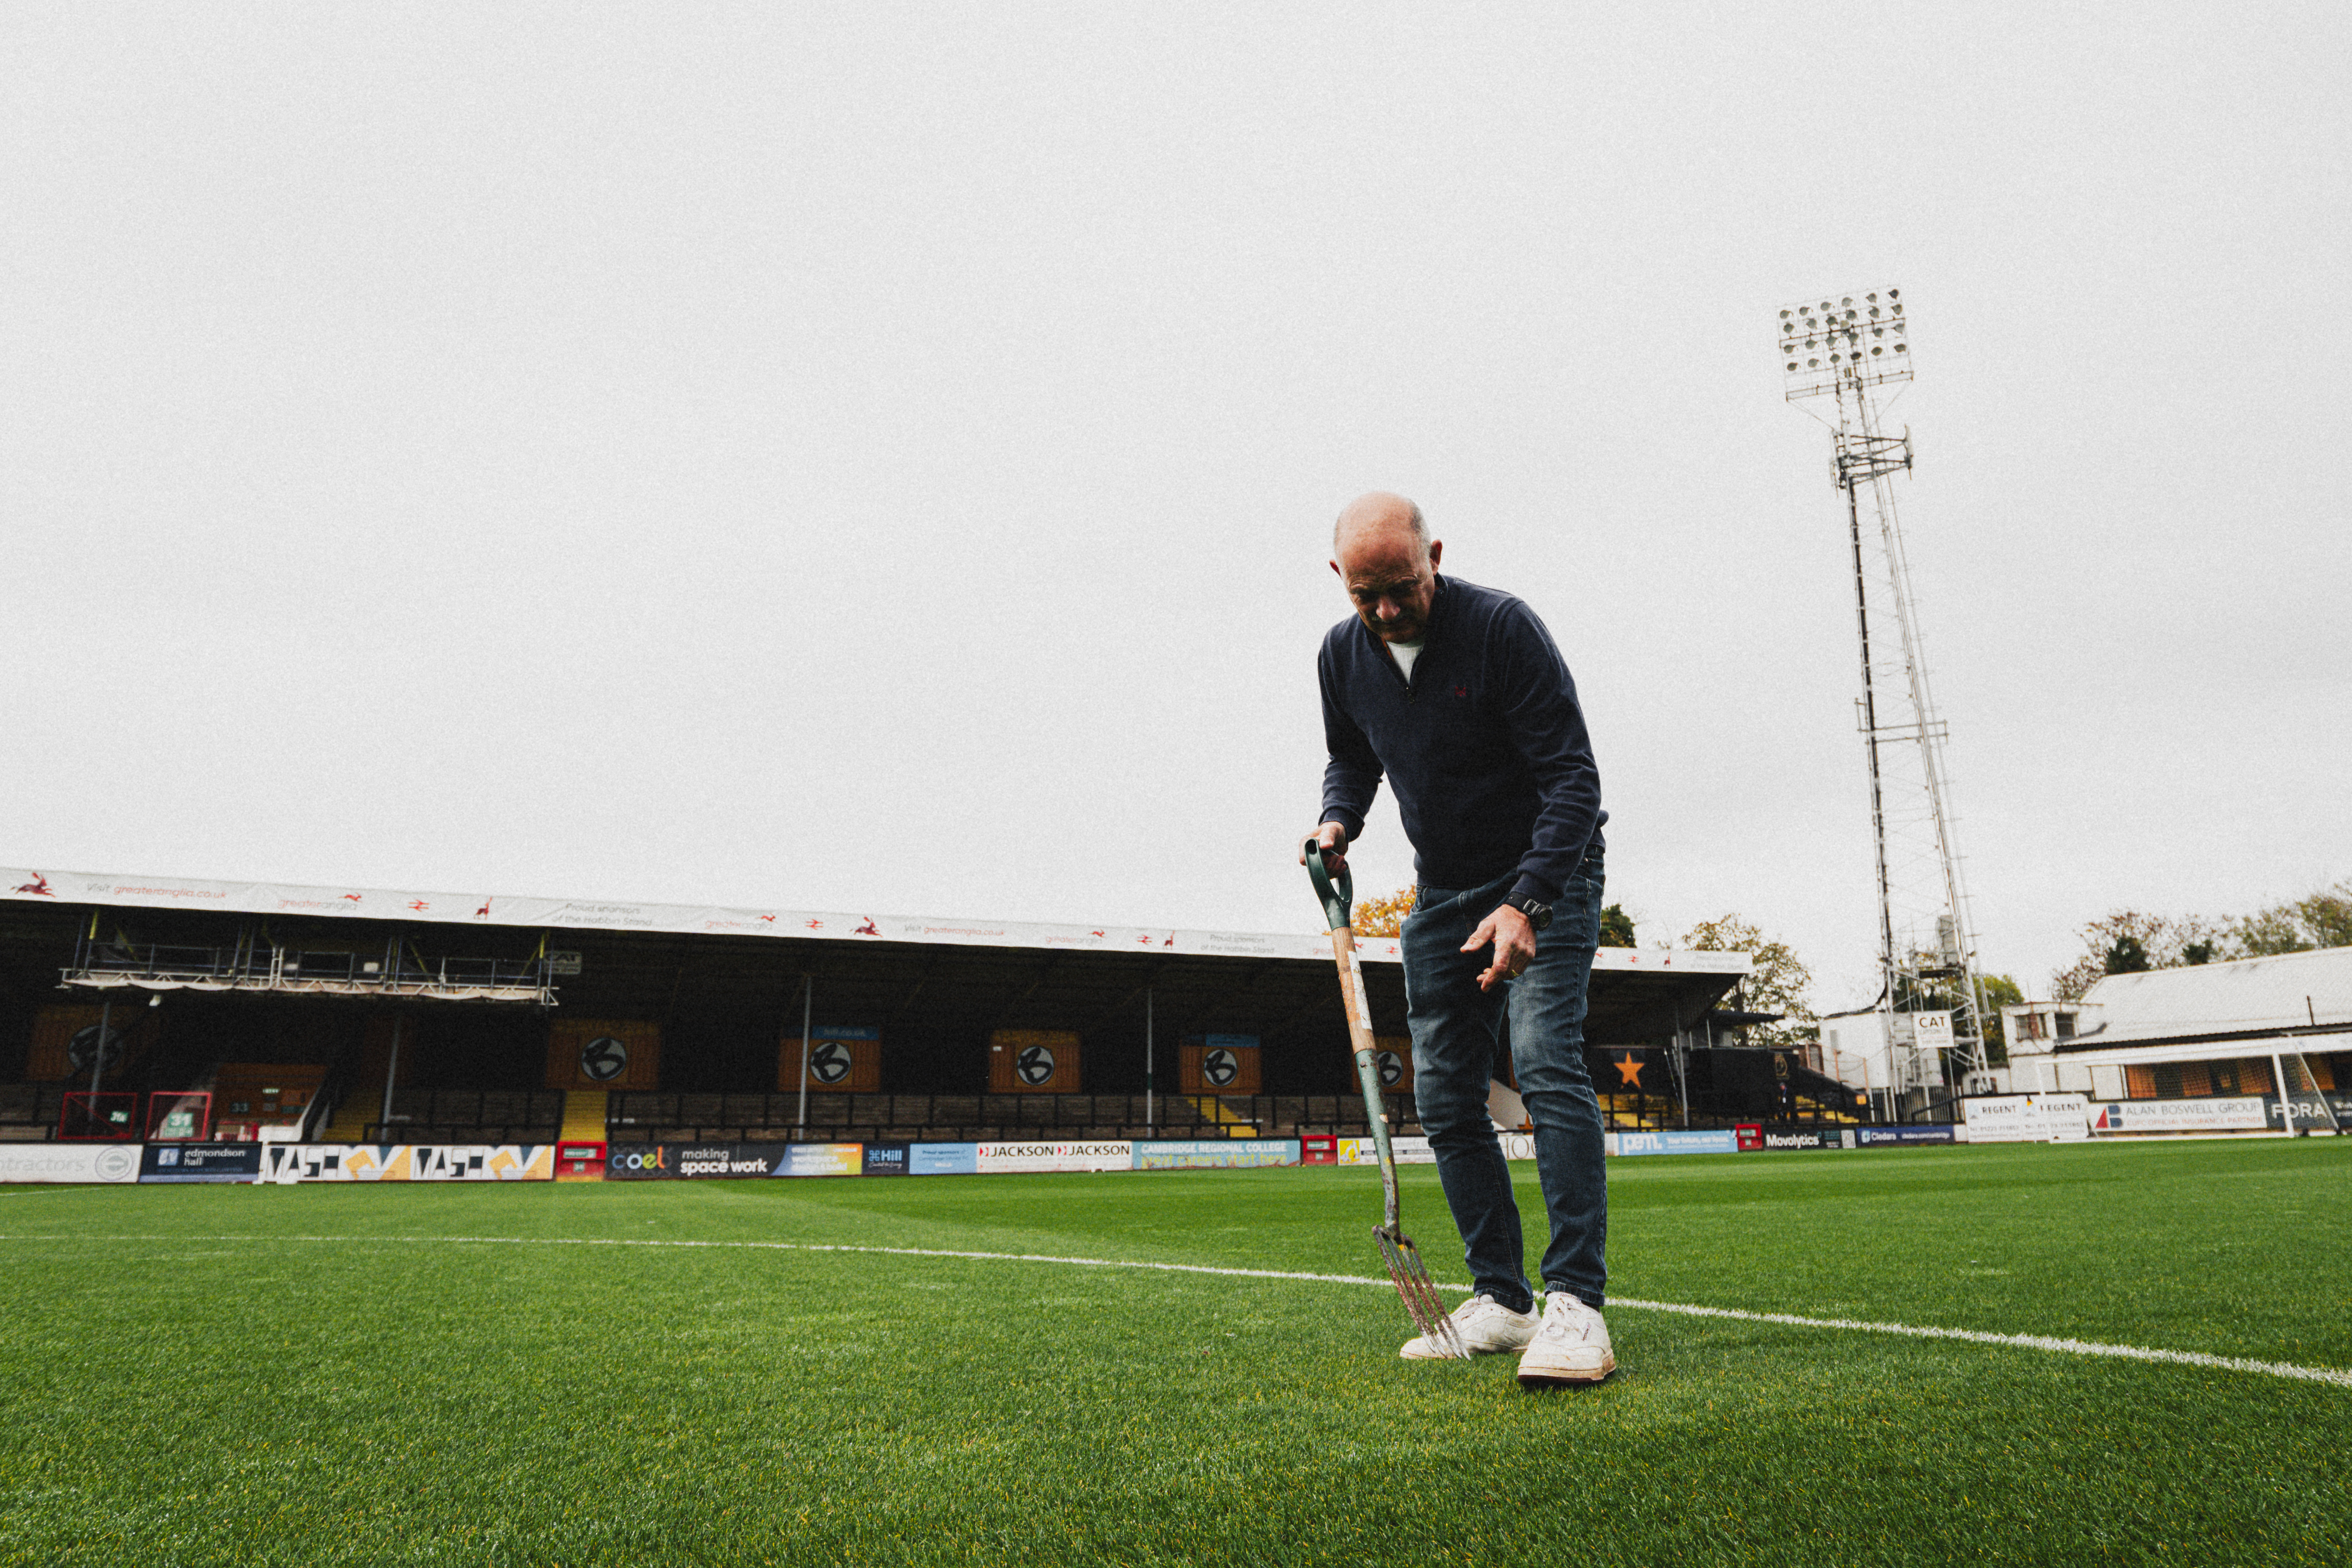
{"points": [[1539, 915]]}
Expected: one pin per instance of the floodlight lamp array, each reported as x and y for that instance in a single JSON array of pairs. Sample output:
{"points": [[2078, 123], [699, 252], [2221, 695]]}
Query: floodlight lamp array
{"points": [[1855, 340]]}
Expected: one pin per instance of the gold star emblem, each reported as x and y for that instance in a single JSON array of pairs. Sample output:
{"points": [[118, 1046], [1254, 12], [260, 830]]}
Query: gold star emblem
{"points": [[1629, 1067]]}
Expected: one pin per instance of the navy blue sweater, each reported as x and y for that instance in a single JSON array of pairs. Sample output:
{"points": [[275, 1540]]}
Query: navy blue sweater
{"points": [[1485, 746]]}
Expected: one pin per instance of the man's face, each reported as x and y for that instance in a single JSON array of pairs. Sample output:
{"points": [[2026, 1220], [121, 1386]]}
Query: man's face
{"points": [[1390, 581]]}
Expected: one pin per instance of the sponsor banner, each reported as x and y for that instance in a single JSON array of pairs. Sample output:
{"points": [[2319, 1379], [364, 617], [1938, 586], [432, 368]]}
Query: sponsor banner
{"points": [[201, 1162], [2027, 1118], [1678, 1141], [288, 1162], [942, 1159], [2249, 1114], [69, 1161], [1220, 1154], [1403, 1151], [1804, 1138], [1518, 1145], [885, 1160], [691, 1162], [1001, 1159], [810, 1159], [1889, 1137], [639, 1161], [1319, 1148]]}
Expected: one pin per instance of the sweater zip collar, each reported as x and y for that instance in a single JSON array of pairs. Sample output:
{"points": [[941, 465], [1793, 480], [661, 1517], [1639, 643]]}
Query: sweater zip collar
{"points": [[1436, 602]]}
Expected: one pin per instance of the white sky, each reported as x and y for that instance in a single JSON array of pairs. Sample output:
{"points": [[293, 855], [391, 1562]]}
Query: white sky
{"points": [[882, 458]]}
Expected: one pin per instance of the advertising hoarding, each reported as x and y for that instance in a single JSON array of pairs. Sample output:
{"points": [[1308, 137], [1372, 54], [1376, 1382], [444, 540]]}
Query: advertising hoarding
{"points": [[201, 1162], [1403, 1151], [1804, 1138], [2251, 1115], [1678, 1141], [942, 1159], [2027, 1118], [1891, 1137], [1005, 1159], [107, 1162], [810, 1159], [289, 1163], [1217, 1153]]}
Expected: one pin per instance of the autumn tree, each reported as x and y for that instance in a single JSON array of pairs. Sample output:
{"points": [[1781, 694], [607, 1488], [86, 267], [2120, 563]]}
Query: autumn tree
{"points": [[2129, 942], [1384, 916], [1778, 982], [2322, 919]]}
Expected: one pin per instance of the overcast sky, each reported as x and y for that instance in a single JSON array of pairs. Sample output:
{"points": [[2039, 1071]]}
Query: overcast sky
{"points": [[882, 457]]}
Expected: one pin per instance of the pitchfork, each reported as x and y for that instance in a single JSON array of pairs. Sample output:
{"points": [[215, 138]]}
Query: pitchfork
{"points": [[1406, 1270]]}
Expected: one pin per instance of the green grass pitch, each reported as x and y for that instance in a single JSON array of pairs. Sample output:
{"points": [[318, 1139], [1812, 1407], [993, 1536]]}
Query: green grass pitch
{"points": [[337, 1374]]}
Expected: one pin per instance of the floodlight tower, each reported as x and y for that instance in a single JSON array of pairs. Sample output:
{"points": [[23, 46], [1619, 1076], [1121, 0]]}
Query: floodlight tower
{"points": [[1840, 356]]}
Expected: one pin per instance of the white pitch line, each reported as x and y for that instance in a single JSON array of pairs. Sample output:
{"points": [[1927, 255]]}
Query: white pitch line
{"points": [[2340, 1377]]}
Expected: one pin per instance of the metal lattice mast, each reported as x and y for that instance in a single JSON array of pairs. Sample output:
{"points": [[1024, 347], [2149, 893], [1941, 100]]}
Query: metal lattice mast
{"points": [[1850, 351]]}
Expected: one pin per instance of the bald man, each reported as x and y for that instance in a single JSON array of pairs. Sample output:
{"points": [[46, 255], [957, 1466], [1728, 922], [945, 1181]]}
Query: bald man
{"points": [[1457, 694]]}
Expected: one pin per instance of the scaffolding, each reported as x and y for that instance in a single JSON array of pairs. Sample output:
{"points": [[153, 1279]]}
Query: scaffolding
{"points": [[1845, 359]]}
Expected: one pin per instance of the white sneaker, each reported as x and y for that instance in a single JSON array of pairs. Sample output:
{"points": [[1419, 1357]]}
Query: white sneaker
{"points": [[1572, 1346], [1486, 1325]]}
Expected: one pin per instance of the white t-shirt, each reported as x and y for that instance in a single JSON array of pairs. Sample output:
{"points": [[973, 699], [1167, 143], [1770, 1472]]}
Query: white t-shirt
{"points": [[1405, 653]]}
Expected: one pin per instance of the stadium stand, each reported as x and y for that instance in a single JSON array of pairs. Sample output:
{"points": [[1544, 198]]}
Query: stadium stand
{"points": [[249, 1096], [29, 1111], [642, 1118], [469, 1116]]}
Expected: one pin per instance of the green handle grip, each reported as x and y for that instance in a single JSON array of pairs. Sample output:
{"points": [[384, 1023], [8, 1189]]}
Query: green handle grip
{"points": [[1336, 900]]}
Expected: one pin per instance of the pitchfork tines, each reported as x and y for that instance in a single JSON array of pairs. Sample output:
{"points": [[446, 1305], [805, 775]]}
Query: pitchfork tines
{"points": [[1411, 1277]]}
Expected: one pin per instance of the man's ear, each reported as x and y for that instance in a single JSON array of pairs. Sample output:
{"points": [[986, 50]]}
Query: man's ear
{"points": [[1436, 549]]}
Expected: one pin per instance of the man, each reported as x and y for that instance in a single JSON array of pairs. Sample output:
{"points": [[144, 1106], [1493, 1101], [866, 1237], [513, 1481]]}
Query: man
{"points": [[1457, 694]]}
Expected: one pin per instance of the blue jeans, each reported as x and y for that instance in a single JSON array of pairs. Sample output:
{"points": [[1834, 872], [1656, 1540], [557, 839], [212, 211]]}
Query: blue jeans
{"points": [[1456, 1028]]}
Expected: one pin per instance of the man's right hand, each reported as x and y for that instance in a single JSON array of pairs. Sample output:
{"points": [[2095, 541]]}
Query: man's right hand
{"points": [[1334, 840]]}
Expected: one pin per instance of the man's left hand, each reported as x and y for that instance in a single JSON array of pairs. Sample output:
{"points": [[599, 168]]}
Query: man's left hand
{"points": [[1515, 946]]}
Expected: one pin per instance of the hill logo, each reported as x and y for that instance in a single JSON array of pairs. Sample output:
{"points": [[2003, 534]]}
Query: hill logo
{"points": [[603, 1058]]}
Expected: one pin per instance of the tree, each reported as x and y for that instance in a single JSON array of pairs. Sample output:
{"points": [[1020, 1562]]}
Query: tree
{"points": [[1778, 982], [2128, 942], [1999, 991], [1384, 916], [2322, 919], [2153, 941]]}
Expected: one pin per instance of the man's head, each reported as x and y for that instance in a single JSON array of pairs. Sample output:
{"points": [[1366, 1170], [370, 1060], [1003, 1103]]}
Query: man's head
{"points": [[1383, 552]]}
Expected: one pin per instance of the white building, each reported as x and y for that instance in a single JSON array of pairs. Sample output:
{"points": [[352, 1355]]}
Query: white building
{"points": [[2212, 1031]]}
